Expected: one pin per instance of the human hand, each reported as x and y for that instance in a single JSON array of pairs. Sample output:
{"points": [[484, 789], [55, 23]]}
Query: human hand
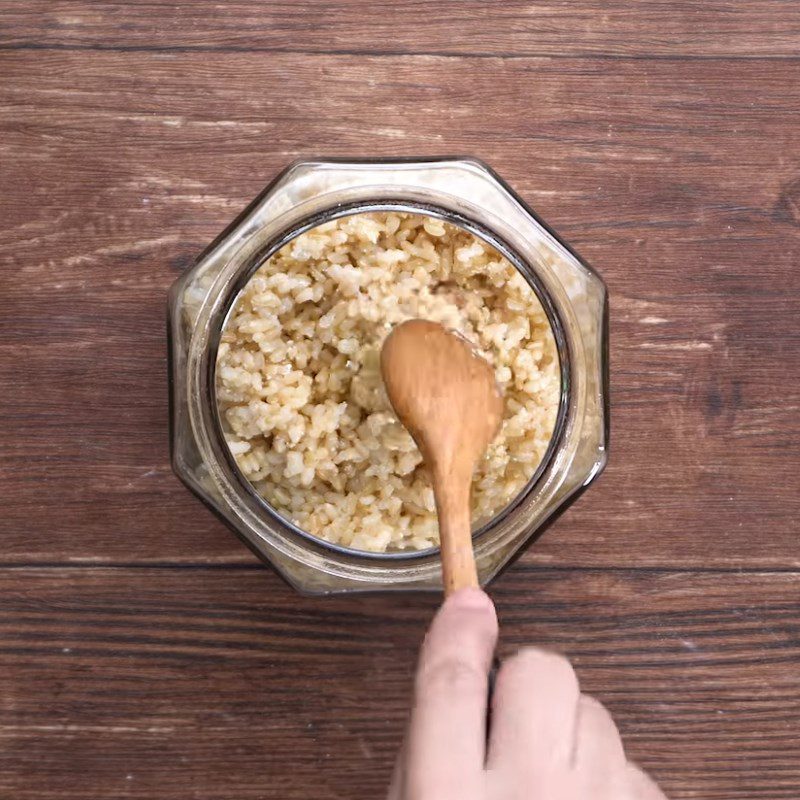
{"points": [[547, 740]]}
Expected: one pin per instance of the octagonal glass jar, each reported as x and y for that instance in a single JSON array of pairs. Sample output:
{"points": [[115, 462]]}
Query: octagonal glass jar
{"points": [[466, 193]]}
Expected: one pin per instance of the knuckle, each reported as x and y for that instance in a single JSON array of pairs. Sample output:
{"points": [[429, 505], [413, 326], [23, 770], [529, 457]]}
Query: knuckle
{"points": [[596, 720], [534, 664], [591, 706]]}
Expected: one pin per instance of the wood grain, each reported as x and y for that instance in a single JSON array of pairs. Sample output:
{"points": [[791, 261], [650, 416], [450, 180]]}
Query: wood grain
{"points": [[187, 683], [766, 28], [683, 191], [143, 652]]}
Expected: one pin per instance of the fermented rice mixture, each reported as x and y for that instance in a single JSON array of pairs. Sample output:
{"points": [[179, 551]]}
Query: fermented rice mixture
{"points": [[299, 385]]}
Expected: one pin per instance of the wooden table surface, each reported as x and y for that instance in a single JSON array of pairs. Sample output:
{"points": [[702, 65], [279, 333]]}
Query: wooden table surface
{"points": [[144, 653]]}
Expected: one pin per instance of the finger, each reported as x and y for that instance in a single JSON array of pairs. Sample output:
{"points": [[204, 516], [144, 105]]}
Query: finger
{"points": [[641, 786], [533, 715], [446, 742], [598, 745], [601, 771]]}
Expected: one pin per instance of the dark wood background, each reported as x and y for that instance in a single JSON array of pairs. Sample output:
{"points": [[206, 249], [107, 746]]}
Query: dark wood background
{"points": [[144, 653]]}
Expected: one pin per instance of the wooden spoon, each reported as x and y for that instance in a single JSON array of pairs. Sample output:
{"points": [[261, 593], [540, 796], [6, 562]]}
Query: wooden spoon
{"points": [[446, 396]]}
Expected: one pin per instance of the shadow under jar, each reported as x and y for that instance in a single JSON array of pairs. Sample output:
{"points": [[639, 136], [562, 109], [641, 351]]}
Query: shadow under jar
{"points": [[466, 194]]}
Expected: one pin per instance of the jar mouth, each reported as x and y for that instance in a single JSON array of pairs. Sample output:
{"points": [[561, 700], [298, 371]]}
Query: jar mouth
{"points": [[220, 318]]}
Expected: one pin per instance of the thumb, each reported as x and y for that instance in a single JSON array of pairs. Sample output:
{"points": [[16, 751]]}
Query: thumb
{"points": [[447, 734]]}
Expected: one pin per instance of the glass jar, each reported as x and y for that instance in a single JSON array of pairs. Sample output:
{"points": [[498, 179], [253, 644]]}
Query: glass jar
{"points": [[466, 193]]}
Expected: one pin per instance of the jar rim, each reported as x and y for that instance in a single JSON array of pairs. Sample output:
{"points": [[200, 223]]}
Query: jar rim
{"points": [[245, 272]]}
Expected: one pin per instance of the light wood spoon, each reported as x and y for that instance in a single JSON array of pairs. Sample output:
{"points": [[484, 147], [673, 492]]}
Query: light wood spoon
{"points": [[447, 397]]}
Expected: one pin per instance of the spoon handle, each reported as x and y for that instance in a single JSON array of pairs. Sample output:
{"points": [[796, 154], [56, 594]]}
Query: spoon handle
{"points": [[455, 532]]}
